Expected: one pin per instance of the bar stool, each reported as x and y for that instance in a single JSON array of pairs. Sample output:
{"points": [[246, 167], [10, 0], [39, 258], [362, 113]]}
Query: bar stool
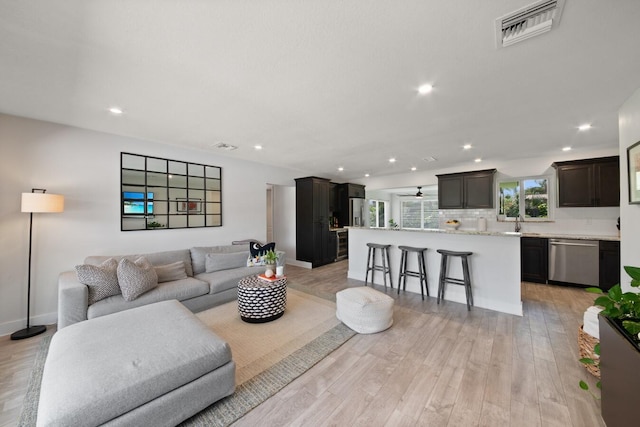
{"points": [[422, 269], [444, 279], [372, 266]]}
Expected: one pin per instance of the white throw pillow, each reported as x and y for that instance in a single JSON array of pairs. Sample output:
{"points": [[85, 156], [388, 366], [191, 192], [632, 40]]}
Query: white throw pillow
{"points": [[136, 277], [102, 280]]}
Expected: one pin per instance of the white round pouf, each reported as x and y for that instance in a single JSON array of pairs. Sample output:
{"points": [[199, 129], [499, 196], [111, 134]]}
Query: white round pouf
{"points": [[364, 309]]}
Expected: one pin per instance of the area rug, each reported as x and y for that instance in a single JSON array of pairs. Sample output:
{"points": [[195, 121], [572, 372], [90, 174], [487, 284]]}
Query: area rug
{"points": [[268, 356]]}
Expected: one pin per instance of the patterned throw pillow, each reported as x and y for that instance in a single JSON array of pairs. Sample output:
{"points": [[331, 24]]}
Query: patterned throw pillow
{"points": [[102, 280], [136, 277], [257, 252]]}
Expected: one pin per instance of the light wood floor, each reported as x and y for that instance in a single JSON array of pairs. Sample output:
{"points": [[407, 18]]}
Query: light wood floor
{"points": [[438, 365]]}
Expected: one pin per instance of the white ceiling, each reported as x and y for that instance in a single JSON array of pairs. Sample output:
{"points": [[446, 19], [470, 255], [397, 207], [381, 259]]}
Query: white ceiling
{"points": [[323, 84]]}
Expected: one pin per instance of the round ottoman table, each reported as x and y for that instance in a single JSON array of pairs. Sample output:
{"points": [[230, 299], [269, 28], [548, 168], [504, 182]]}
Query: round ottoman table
{"points": [[364, 309], [261, 301]]}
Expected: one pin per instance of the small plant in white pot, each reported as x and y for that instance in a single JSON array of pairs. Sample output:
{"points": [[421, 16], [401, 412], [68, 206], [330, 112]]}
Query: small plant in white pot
{"points": [[270, 260]]}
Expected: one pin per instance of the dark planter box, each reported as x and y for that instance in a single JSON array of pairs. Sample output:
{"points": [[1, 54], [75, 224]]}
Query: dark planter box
{"points": [[620, 375]]}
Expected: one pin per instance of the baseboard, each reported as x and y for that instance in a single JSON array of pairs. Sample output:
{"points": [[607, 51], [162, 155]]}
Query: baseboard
{"points": [[302, 264], [43, 319]]}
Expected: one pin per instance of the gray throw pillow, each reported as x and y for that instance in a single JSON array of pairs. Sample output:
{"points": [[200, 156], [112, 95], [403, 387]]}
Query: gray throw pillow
{"points": [[102, 280], [217, 261], [136, 277], [170, 272]]}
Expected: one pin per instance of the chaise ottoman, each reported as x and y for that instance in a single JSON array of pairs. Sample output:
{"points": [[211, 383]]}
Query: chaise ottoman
{"points": [[154, 365], [364, 309]]}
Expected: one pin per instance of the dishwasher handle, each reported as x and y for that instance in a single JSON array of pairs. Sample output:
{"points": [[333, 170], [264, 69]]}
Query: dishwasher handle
{"points": [[589, 245]]}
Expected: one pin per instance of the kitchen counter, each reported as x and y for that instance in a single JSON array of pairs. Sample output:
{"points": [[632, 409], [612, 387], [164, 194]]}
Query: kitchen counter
{"points": [[498, 233], [494, 265], [444, 231], [571, 236]]}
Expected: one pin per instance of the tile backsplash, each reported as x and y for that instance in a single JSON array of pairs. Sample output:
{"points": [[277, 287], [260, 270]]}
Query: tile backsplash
{"points": [[586, 221]]}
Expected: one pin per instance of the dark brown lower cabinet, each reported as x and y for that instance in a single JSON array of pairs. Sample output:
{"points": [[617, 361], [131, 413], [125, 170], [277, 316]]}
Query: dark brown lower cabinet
{"points": [[620, 375], [609, 264], [534, 261]]}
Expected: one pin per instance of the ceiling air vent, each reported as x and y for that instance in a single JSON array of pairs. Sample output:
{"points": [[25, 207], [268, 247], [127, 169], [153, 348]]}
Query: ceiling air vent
{"points": [[530, 21], [223, 146]]}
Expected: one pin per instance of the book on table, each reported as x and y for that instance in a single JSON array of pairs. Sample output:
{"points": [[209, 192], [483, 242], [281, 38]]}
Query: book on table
{"points": [[270, 279]]}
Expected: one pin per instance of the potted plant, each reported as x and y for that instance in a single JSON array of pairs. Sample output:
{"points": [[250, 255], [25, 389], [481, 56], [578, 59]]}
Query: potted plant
{"points": [[619, 350], [270, 259], [623, 309]]}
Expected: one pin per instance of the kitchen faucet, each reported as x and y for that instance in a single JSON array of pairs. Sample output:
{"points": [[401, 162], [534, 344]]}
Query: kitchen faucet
{"points": [[518, 226]]}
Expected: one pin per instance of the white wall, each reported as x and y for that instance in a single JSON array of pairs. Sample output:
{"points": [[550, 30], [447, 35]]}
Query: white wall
{"points": [[84, 166], [629, 131]]}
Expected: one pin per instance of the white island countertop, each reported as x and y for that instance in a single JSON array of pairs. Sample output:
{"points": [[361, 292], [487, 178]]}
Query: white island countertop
{"points": [[494, 265]]}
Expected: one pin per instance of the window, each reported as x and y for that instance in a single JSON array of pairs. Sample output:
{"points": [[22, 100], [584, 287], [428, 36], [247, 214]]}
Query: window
{"points": [[419, 213], [377, 210], [533, 191]]}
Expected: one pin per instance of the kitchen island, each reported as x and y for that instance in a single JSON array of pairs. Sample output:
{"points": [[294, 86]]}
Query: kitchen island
{"points": [[494, 265]]}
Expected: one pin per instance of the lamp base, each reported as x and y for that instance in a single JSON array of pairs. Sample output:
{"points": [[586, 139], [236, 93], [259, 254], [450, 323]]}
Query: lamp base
{"points": [[29, 332]]}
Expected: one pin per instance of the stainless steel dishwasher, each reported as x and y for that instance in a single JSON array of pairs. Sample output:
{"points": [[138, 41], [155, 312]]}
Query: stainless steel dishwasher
{"points": [[574, 261]]}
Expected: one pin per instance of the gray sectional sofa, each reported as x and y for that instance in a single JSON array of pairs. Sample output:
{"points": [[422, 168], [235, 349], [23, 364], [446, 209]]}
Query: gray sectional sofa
{"points": [[212, 275]]}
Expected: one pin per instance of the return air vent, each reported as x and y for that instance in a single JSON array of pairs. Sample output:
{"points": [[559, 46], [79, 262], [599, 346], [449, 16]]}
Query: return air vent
{"points": [[226, 147], [530, 21]]}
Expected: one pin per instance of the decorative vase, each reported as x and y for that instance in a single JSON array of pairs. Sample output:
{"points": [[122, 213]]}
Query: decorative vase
{"points": [[271, 267]]}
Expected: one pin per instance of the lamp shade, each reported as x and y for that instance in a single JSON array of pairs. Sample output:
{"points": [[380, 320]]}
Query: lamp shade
{"points": [[42, 202]]}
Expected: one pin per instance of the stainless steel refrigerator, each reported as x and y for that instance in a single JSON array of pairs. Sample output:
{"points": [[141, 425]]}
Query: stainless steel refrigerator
{"points": [[356, 212]]}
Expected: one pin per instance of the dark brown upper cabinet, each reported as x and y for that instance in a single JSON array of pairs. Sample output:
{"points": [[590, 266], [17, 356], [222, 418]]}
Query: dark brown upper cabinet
{"points": [[588, 182], [466, 190]]}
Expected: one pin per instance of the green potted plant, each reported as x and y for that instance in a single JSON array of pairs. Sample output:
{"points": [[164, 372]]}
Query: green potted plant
{"points": [[270, 259], [619, 350], [623, 308]]}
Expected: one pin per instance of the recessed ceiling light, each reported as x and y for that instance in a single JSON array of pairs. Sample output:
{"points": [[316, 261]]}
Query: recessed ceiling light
{"points": [[414, 168], [466, 146], [566, 148], [478, 160], [425, 89], [366, 175], [258, 147], [392, 160], [340, 168], [116, 110], [585, 126]]}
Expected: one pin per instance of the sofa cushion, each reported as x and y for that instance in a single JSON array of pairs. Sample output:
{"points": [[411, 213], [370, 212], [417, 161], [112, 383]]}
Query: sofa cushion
{"points": [[178, 289], [199, 253], [136, 277], [102, 280], [169, 272], [223, 280], [155, 258], [216, 262]]}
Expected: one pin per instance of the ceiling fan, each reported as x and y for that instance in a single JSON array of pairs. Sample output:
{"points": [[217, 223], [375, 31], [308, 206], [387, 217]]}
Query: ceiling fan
{"points": [[417, 195]]}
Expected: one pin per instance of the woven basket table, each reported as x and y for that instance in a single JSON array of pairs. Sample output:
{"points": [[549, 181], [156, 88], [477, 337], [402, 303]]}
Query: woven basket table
{"points": [[260, 301], [586, 344]]}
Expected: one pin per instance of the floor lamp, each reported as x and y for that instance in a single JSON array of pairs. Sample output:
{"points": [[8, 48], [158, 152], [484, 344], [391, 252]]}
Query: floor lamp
{"points": [[36, 202]]}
